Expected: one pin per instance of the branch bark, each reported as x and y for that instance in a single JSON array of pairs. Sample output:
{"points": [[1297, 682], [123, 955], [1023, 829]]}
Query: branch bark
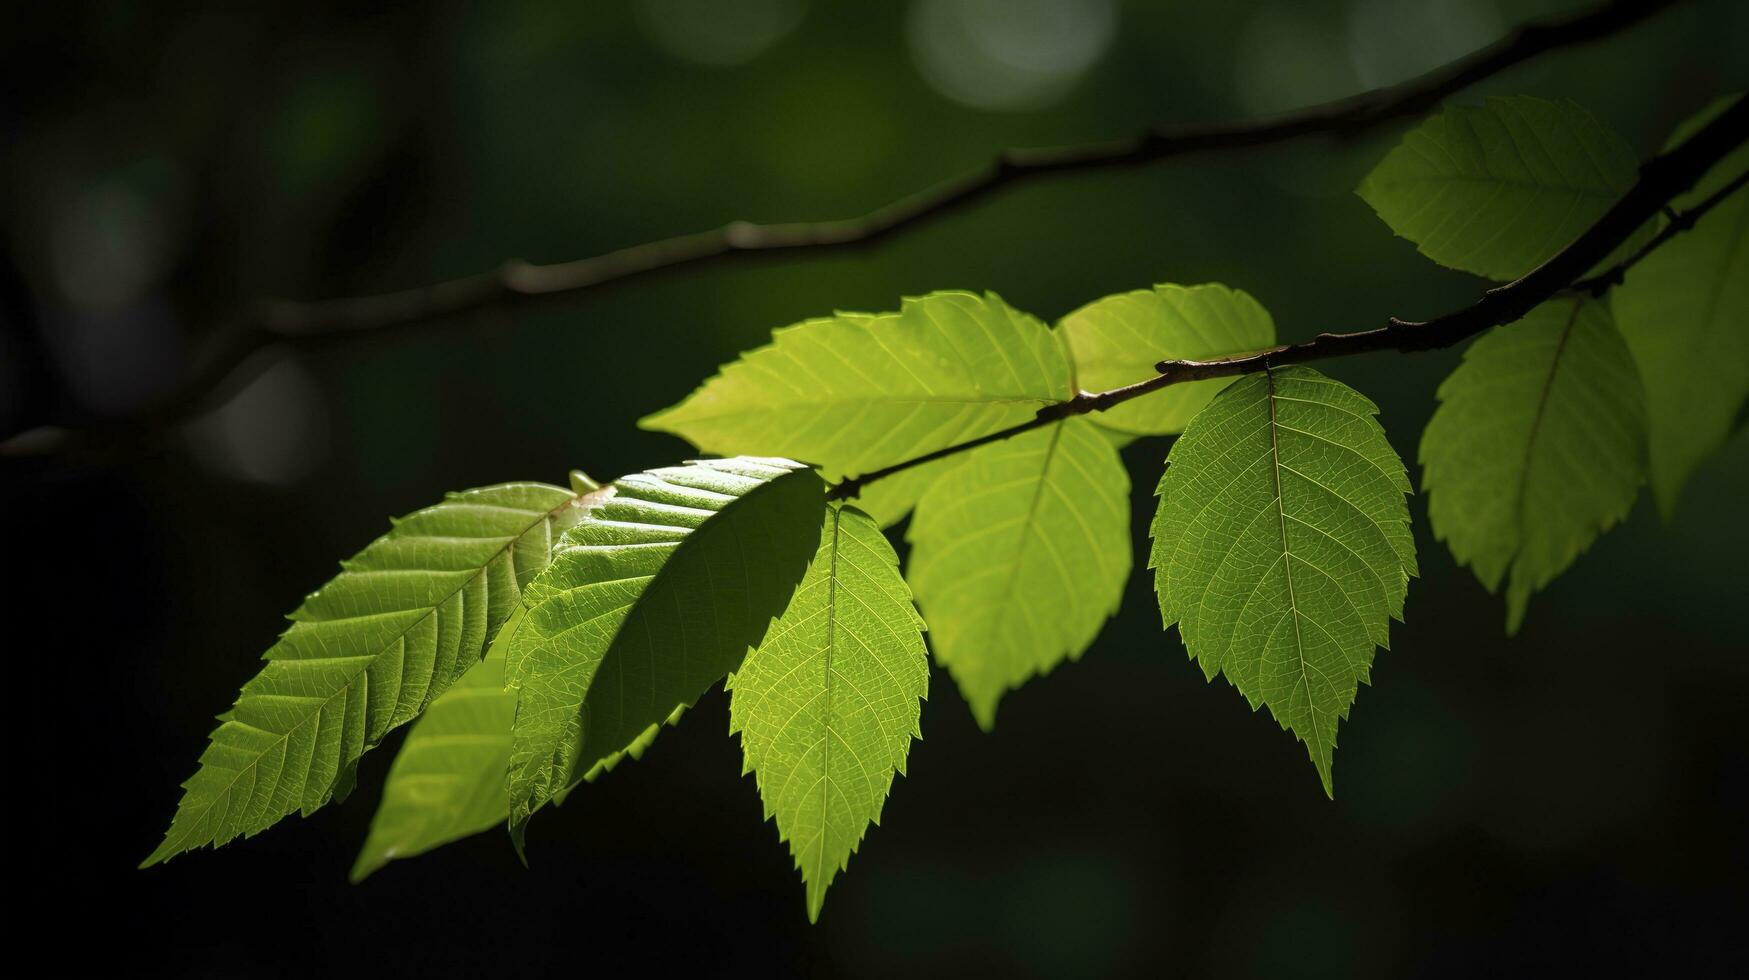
{"points": [[516, 283], [1660, 180]]}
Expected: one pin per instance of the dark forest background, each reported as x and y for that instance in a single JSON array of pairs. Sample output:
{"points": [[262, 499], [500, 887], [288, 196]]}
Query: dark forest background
{"points": [[1571, 799]]}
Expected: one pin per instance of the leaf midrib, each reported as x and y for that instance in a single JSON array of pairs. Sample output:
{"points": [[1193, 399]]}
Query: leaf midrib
{"points": [[826, 743], [1536, 422], [1287, 565]]}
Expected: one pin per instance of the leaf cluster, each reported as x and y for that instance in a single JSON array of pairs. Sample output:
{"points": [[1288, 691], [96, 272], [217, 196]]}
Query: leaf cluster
{"points": [[536, 636]]}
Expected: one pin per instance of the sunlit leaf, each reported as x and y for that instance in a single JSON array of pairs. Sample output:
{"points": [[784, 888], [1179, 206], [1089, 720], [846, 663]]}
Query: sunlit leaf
{"points": [[828, 705], [447, 782], [366, 653], [1019, 556], [855, 392], [1282, 546], [655, 596], [1117, 340]]}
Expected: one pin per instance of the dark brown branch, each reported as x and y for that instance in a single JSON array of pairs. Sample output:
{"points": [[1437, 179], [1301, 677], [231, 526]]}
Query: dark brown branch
{"points": [[1660, 180], [1598, 284], [518, 283]]}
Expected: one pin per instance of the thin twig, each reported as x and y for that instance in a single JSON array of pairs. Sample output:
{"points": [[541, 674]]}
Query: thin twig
{"points": [[1661, 179], [1678, 223], [518, 283]]}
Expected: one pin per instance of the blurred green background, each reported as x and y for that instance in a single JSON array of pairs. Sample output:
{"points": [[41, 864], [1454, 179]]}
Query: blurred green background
{"points": [[1573, 797]]}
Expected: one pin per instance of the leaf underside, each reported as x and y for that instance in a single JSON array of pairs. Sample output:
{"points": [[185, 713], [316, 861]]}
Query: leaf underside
{"points": [[1281, 546], [856, 392], [658, 594], [366, 653], [829, 703], [1020, 555], [1498, 189], [1538, 446]]}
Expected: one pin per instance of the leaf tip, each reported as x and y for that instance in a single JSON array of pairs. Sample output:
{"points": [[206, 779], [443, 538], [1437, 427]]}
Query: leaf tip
{"points": [[1665, 494], [657, 421], [1517, 603], [168, 848], [816, 901], [984, 713], [366, 865], [518, 839]]}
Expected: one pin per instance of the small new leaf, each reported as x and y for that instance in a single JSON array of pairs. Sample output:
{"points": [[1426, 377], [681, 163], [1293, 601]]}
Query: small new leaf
{"points": [[1282, 547], [366, 653], [1498, 189], [855, 392], [656, 595], [1117, 340], [1538, 446], [829, 703], [1019, 555], [1684, 311]]}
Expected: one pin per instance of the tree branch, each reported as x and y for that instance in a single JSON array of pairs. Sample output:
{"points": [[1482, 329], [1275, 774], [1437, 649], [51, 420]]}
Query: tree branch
{"points": [[1660, 180], [517, 283], [1598, 284]]}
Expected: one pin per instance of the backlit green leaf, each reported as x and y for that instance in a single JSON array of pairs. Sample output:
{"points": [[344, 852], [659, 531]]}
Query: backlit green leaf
{"points": [[366, 653], [1684, 311], [829, 703], [1538, 446], [1117, 340], [1019, 555], [656, 595], [1498, 189], [855, 392], [1282, 547], [448, 779]]}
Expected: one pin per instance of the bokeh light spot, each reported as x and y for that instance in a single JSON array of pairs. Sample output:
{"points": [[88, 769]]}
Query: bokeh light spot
{"points": [[720, 33], [1390, 41], [1008, 54], [274, 431], [1288, 58]]}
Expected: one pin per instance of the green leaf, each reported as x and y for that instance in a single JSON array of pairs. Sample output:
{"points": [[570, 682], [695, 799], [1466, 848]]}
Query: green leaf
{"points": [[1282, 547], [366, 653], [829, 703], [855, 392], [447, 781], [1019, 555], [653, 597], [1538, 446], [1684, 310], [1117, 340], [1497, 190]]}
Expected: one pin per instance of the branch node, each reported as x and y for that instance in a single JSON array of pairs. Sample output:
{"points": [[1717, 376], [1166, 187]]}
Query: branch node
{"points": [[516, 275], [1604, 283], [741, 234]]}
